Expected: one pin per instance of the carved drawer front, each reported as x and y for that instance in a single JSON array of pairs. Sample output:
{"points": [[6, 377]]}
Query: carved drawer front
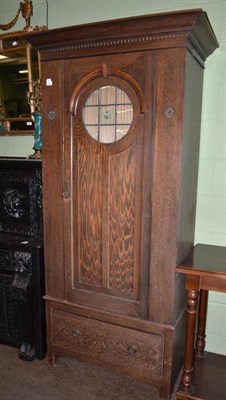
{"points": [[109, 344]]}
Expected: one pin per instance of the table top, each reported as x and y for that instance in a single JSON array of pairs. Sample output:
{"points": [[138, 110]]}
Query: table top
{"points": [[205, 259]]}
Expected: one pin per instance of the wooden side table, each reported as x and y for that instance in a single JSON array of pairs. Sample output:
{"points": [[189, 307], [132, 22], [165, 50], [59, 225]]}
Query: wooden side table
{"points": [[204, 374]]}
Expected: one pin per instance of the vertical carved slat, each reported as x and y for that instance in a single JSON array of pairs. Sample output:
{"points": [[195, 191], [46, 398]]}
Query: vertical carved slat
{"points": [[122, 221], [8, 325], [90, 218]]}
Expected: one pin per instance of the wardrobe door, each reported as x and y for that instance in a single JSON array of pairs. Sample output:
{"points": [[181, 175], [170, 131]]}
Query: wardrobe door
{"points": [[108, 170]]}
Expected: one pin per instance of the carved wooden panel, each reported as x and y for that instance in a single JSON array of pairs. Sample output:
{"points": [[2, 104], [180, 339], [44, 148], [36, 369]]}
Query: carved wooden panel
{"points": [[106, 200], [90, 218], [8, 327], [22, 314], [122, 190], [21, 197]]}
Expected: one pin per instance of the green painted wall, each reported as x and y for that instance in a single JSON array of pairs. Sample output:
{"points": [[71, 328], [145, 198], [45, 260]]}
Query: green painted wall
{"points": [[211, 206]]}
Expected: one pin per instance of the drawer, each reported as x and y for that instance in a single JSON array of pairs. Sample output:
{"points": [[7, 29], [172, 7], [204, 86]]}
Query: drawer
{"points": [[108, 344]]}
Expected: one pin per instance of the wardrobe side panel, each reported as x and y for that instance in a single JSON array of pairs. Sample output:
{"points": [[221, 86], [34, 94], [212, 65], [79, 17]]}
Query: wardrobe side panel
{"points": [[189, 169], [52, 104], [170, 68]]}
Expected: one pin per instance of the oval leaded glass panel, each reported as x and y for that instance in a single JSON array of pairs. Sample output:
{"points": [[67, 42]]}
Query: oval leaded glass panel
{"points": [[108, 114]]}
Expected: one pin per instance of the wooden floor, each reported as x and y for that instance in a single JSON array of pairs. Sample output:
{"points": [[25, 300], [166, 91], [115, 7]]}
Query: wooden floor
{"points": [[210, 379]]}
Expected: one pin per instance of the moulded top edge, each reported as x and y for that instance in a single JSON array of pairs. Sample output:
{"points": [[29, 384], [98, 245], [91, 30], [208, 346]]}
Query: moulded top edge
{"points": [[192, 23]]}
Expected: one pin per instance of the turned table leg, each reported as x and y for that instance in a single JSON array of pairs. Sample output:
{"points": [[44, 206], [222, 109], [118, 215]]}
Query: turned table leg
{"points": [[192, 306], [201, 334]]}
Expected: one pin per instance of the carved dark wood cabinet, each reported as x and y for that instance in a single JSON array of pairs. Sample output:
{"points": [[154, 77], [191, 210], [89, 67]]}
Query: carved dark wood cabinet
{"points": [[22, 286], [121, 106]]}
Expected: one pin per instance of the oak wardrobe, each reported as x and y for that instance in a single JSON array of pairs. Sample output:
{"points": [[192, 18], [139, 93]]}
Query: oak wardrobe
{"points": [[121, 103]]}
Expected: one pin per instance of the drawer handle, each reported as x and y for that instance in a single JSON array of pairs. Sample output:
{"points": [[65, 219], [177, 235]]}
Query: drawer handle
{"points": [[76, 333], [132, 349]]}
